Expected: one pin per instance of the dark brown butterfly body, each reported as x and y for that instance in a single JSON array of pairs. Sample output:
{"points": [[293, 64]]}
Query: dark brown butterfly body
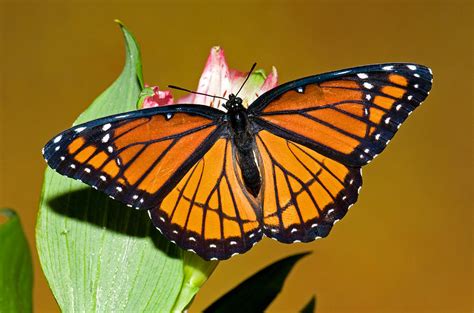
{"points": [[243, 138]]}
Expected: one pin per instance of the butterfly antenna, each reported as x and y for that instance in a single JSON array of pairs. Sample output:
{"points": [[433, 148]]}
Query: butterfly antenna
{"points": [[195, 92], [247, 78]]}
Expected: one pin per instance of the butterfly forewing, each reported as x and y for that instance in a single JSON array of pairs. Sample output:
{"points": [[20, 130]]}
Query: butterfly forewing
{"points": [[349, 115], [135, 157]]}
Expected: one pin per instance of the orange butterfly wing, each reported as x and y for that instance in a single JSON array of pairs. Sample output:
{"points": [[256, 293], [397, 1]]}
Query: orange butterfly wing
{"points": [[209, 211], [304, 192], [134, 157], [349, 115]]}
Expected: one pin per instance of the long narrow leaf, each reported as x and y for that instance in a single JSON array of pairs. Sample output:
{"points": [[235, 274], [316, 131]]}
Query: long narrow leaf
{"points": [[97, 254], [257, 292], [310, 307], [16, 270]]}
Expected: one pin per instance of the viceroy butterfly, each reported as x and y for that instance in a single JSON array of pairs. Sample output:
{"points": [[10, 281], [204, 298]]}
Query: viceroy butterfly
{"points": [[214, 182]]}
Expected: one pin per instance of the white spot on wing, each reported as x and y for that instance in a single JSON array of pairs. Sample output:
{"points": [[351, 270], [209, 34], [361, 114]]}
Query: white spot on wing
{"points": [[362, 75], [57, 139], [79, 129], [106, 126], [411, 67], [106, 138], [368, 85], [388, 68]]}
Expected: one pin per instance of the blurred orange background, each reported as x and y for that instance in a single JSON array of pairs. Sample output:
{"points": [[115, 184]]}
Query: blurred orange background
{"points": [[407, 244]]}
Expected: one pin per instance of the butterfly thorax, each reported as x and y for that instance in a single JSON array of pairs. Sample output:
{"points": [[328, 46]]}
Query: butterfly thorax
{"points": [[244, 142]]}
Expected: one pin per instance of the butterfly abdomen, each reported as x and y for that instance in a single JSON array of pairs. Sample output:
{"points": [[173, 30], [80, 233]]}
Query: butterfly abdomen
{"points": [[244, 142]]}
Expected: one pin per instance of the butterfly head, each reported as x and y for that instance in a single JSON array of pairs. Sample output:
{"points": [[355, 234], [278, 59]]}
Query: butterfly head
{"points": [[233, 103]]}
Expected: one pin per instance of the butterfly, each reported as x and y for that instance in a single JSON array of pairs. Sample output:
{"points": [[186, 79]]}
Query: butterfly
{"points": [[287, 167]]}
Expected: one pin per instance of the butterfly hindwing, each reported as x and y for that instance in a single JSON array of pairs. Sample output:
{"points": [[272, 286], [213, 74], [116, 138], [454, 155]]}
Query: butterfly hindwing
{"points": [[304, 192], [135, 157], [349, 115], [209, 211]]}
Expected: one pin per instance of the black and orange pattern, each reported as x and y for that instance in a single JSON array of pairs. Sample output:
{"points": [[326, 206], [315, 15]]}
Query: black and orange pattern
{"points": [[308, 140], [210, 211], [304, 192], [350, 115], [133, 158]]}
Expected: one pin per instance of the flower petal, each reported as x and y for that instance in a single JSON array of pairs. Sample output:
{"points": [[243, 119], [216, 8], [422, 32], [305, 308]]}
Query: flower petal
{"points": [[154, 97], [214, 81], [270, 82]]}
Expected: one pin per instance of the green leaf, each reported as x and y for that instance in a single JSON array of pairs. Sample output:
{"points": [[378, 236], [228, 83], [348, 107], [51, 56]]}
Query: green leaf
{"points": [[16, 270], [257, 292], [97, 254], [310, 307]]}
